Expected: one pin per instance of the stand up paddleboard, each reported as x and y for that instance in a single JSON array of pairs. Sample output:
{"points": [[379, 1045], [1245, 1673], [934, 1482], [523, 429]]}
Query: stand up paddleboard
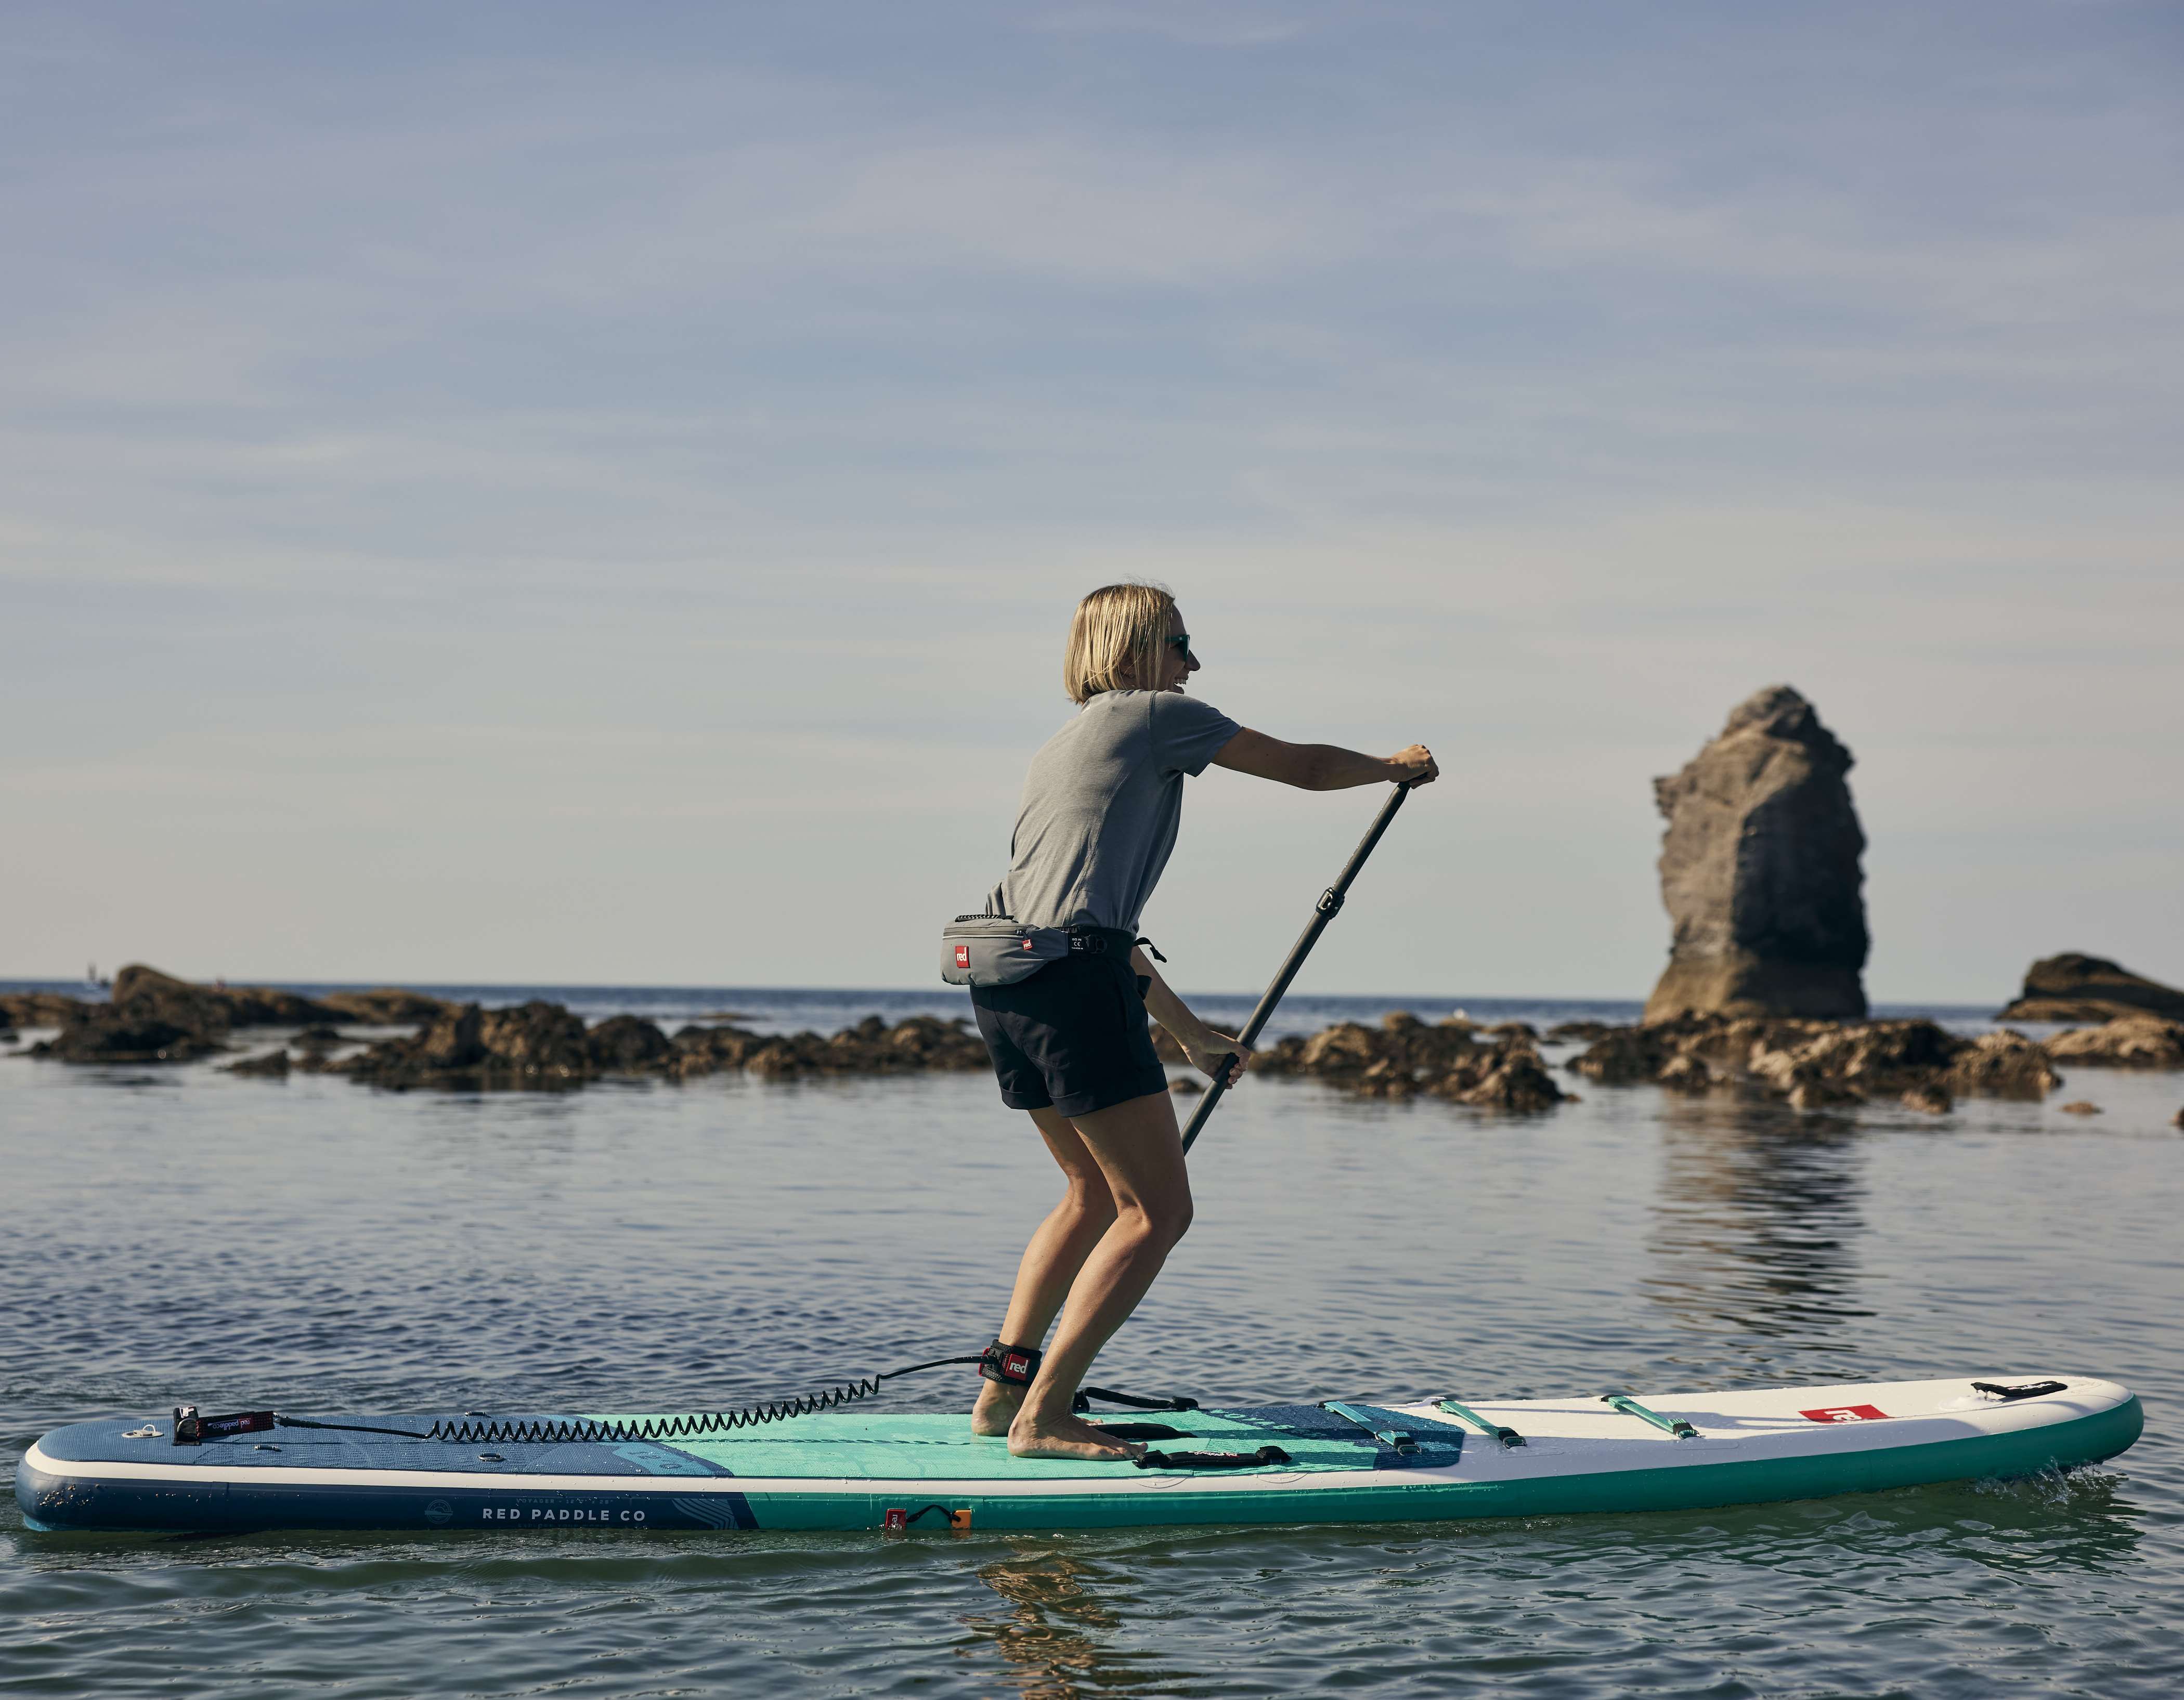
{"points": [[1332, 1462]]}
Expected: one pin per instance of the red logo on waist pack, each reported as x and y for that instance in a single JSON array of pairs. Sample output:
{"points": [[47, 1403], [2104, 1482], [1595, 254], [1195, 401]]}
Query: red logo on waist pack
{"points": [[962, 956], [1027, 944], [1846, 1413]]}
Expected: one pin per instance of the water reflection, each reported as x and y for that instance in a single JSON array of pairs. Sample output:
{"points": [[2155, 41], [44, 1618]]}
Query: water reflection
{"points": [[1757, 1224], [1043, 1638]]}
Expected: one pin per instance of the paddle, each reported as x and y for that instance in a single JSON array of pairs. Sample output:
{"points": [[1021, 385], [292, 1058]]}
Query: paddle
{"points": [[1330, 905]]}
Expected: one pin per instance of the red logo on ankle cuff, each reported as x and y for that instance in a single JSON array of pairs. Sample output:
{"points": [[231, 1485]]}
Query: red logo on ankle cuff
{"points": [[1016, 1364]]}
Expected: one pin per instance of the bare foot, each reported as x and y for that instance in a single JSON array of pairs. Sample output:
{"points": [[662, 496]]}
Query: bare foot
{"points": [[1032, 1436], [996, 1407]]}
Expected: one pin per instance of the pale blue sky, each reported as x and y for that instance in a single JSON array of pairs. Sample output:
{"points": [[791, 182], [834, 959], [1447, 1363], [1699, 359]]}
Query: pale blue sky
{"points": [[595, 493]]}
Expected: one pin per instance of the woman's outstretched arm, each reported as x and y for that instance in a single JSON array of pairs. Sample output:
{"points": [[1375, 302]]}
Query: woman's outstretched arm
{"points": [[1201, 1043], [1323, 767]]}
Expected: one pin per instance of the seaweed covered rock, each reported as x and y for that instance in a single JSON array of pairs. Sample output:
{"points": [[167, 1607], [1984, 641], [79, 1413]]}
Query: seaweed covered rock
{"points": [[1877, 1057], [41, 1009], [2004, 1064], [148, 992], [273, 1065], [1759, 870], [2129, 1041], [1515, 1081], [1404, 1057], [109, 1037], [2076, 988], [709, 1050], [1816, 1063], [533, 1045], [1624, 1056], [627, 1045], [388, 1006], [156, 1018]]}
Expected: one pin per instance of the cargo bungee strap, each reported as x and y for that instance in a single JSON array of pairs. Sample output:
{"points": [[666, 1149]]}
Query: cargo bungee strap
{"points": [[476, 1429]]}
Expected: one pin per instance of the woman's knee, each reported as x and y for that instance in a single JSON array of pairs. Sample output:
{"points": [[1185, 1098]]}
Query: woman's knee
{"points": [[1166, 1220], [1090, 1201]]}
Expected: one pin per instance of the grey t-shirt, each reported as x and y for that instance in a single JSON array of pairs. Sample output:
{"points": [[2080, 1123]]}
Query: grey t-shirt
{"points": [[1101, 809]]}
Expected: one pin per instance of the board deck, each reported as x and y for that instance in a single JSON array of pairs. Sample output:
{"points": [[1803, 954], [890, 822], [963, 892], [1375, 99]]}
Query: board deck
{"points": [[848, 1470]]}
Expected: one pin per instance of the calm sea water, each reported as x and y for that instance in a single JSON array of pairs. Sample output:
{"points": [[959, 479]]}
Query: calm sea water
{"points": [[181, 1234]]}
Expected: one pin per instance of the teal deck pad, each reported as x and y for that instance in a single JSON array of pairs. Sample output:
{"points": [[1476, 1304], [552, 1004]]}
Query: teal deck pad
{"points": [[835, 1445]]}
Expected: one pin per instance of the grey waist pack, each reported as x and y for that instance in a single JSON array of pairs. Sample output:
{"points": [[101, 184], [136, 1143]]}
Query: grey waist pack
{"points": [[998, 950]]}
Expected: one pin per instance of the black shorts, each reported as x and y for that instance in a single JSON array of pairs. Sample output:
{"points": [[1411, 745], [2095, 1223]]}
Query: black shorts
{"points": [[1073, 1036]]}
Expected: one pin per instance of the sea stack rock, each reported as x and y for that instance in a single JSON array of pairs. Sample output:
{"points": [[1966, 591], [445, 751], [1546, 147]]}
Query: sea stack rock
{"points": [[1759, 870]]}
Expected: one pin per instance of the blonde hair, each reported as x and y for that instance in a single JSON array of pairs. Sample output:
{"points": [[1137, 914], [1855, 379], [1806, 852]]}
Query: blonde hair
{"points": [[1115, 640]]}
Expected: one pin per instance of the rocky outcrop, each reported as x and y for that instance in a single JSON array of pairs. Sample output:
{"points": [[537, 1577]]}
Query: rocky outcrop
{"points": [[40, 1009], [2074, 987], [272, 1066], [216, 1008], [110, 1037], [1759, 870], [2129, 1041], [533, 1045], [1404, 1057], [1811, 1064], [2003, 1065], [627, 1045], [541, 1046], [155, 1018], [389, 1006]]}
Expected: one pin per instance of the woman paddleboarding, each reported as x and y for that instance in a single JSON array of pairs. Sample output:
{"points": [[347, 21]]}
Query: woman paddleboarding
{"points": [[1061, 991]]}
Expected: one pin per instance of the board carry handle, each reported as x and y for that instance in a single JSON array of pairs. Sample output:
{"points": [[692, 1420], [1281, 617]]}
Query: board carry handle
{"points": [[1324, 911], [1629, 1407], [1507, 1437]]}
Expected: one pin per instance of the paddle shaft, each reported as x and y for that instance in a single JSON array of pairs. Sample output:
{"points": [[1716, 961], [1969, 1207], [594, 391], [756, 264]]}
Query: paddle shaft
{"points": [[1329, 906]]}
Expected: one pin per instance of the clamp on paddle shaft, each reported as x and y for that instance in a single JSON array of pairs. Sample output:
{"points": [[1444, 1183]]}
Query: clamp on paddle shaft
{"points": [[1507, 1437], [1325, 910], [1630, 1407]]}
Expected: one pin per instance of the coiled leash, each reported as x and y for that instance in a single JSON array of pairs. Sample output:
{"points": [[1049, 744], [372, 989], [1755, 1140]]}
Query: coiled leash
{"points": [[997, 1363], [1018, 1366]]}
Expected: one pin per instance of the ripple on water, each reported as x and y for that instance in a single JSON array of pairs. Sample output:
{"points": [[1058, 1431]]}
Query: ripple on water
{"points": [[194, 1236]]}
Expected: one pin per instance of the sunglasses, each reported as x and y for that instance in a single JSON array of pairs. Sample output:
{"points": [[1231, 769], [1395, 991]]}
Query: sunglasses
{"points": [[1180, 642]]}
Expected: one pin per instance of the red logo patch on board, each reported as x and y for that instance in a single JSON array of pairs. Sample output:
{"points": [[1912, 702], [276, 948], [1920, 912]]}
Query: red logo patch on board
{"points": [[1846, 1413], [962, 956]]}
